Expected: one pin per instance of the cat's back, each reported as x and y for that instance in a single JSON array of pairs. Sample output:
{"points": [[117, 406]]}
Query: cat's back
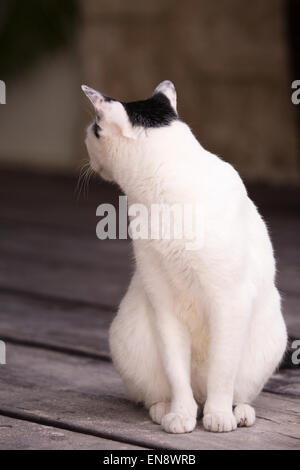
{"points": [[185, 170]]}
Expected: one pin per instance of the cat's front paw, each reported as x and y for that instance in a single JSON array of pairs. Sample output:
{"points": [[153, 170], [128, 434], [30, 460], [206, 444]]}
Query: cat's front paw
{"points": [[178, 423], [219, 421]]}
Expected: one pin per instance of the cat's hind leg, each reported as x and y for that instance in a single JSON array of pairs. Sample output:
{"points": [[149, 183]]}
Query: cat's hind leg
{"points": [[263, 350], [158, 410], [135, 353], [244, 415], [229, 317]]}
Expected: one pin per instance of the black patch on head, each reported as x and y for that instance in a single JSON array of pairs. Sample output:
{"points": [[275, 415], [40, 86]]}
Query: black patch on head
{"points": [[96, 130], [153, 112], [108, 99]]}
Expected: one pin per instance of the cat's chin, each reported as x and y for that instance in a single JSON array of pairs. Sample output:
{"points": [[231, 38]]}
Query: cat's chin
{"points": [[99, 170], [105, 175]]}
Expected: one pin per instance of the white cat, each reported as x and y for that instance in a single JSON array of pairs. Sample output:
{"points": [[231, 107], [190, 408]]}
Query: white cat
{"points": [[201, 327]]}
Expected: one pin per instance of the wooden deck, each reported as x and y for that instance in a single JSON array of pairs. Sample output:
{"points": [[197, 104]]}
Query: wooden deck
{"points": [[59, 288]]}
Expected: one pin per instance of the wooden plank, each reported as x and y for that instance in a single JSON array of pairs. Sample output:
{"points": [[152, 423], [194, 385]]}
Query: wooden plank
{"points": [[89, 396], [275, 199], [52, 202], [65, 326], [97, 287], [19, 184], [78, 251], [86, 269], [42, 246], [291, 312], [15, 186], [17, 434], [288, 278], [39, 210], [285, 382], [96, 284], [103, 281], [69, 266], [285, 230]]}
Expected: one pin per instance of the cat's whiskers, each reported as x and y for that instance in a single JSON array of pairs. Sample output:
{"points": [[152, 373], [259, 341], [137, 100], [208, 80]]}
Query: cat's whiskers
{"points": [[87, 178], [84, 175]]}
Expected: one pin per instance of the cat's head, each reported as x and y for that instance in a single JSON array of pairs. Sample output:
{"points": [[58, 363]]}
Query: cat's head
{"points": [[116, 123]]}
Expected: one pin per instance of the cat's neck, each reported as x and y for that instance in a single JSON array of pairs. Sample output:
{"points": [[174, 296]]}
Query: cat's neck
{"points": [[162, 169]]}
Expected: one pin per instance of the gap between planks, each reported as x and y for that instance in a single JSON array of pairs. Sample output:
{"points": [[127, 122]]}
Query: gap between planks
{"points": [[18, 434], [31, 418], [70, 327]]}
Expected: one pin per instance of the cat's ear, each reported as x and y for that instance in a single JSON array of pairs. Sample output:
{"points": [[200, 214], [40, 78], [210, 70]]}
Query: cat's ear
{"points": [[111, 113], [94, 96], [167, 88]]}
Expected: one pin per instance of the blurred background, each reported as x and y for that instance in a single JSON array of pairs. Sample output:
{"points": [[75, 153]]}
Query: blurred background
{"points": [[232, 63]]}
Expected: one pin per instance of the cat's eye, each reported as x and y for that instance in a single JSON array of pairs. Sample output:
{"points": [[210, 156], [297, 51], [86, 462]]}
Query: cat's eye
{"points": [[96, 130]]}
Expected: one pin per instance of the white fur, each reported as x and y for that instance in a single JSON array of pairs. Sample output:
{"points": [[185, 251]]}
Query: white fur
{"points": [[195, 327]]}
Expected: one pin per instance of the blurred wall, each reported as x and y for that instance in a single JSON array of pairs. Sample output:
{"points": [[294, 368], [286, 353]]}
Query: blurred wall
{"points": [[39, 122], [228, 60]]}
